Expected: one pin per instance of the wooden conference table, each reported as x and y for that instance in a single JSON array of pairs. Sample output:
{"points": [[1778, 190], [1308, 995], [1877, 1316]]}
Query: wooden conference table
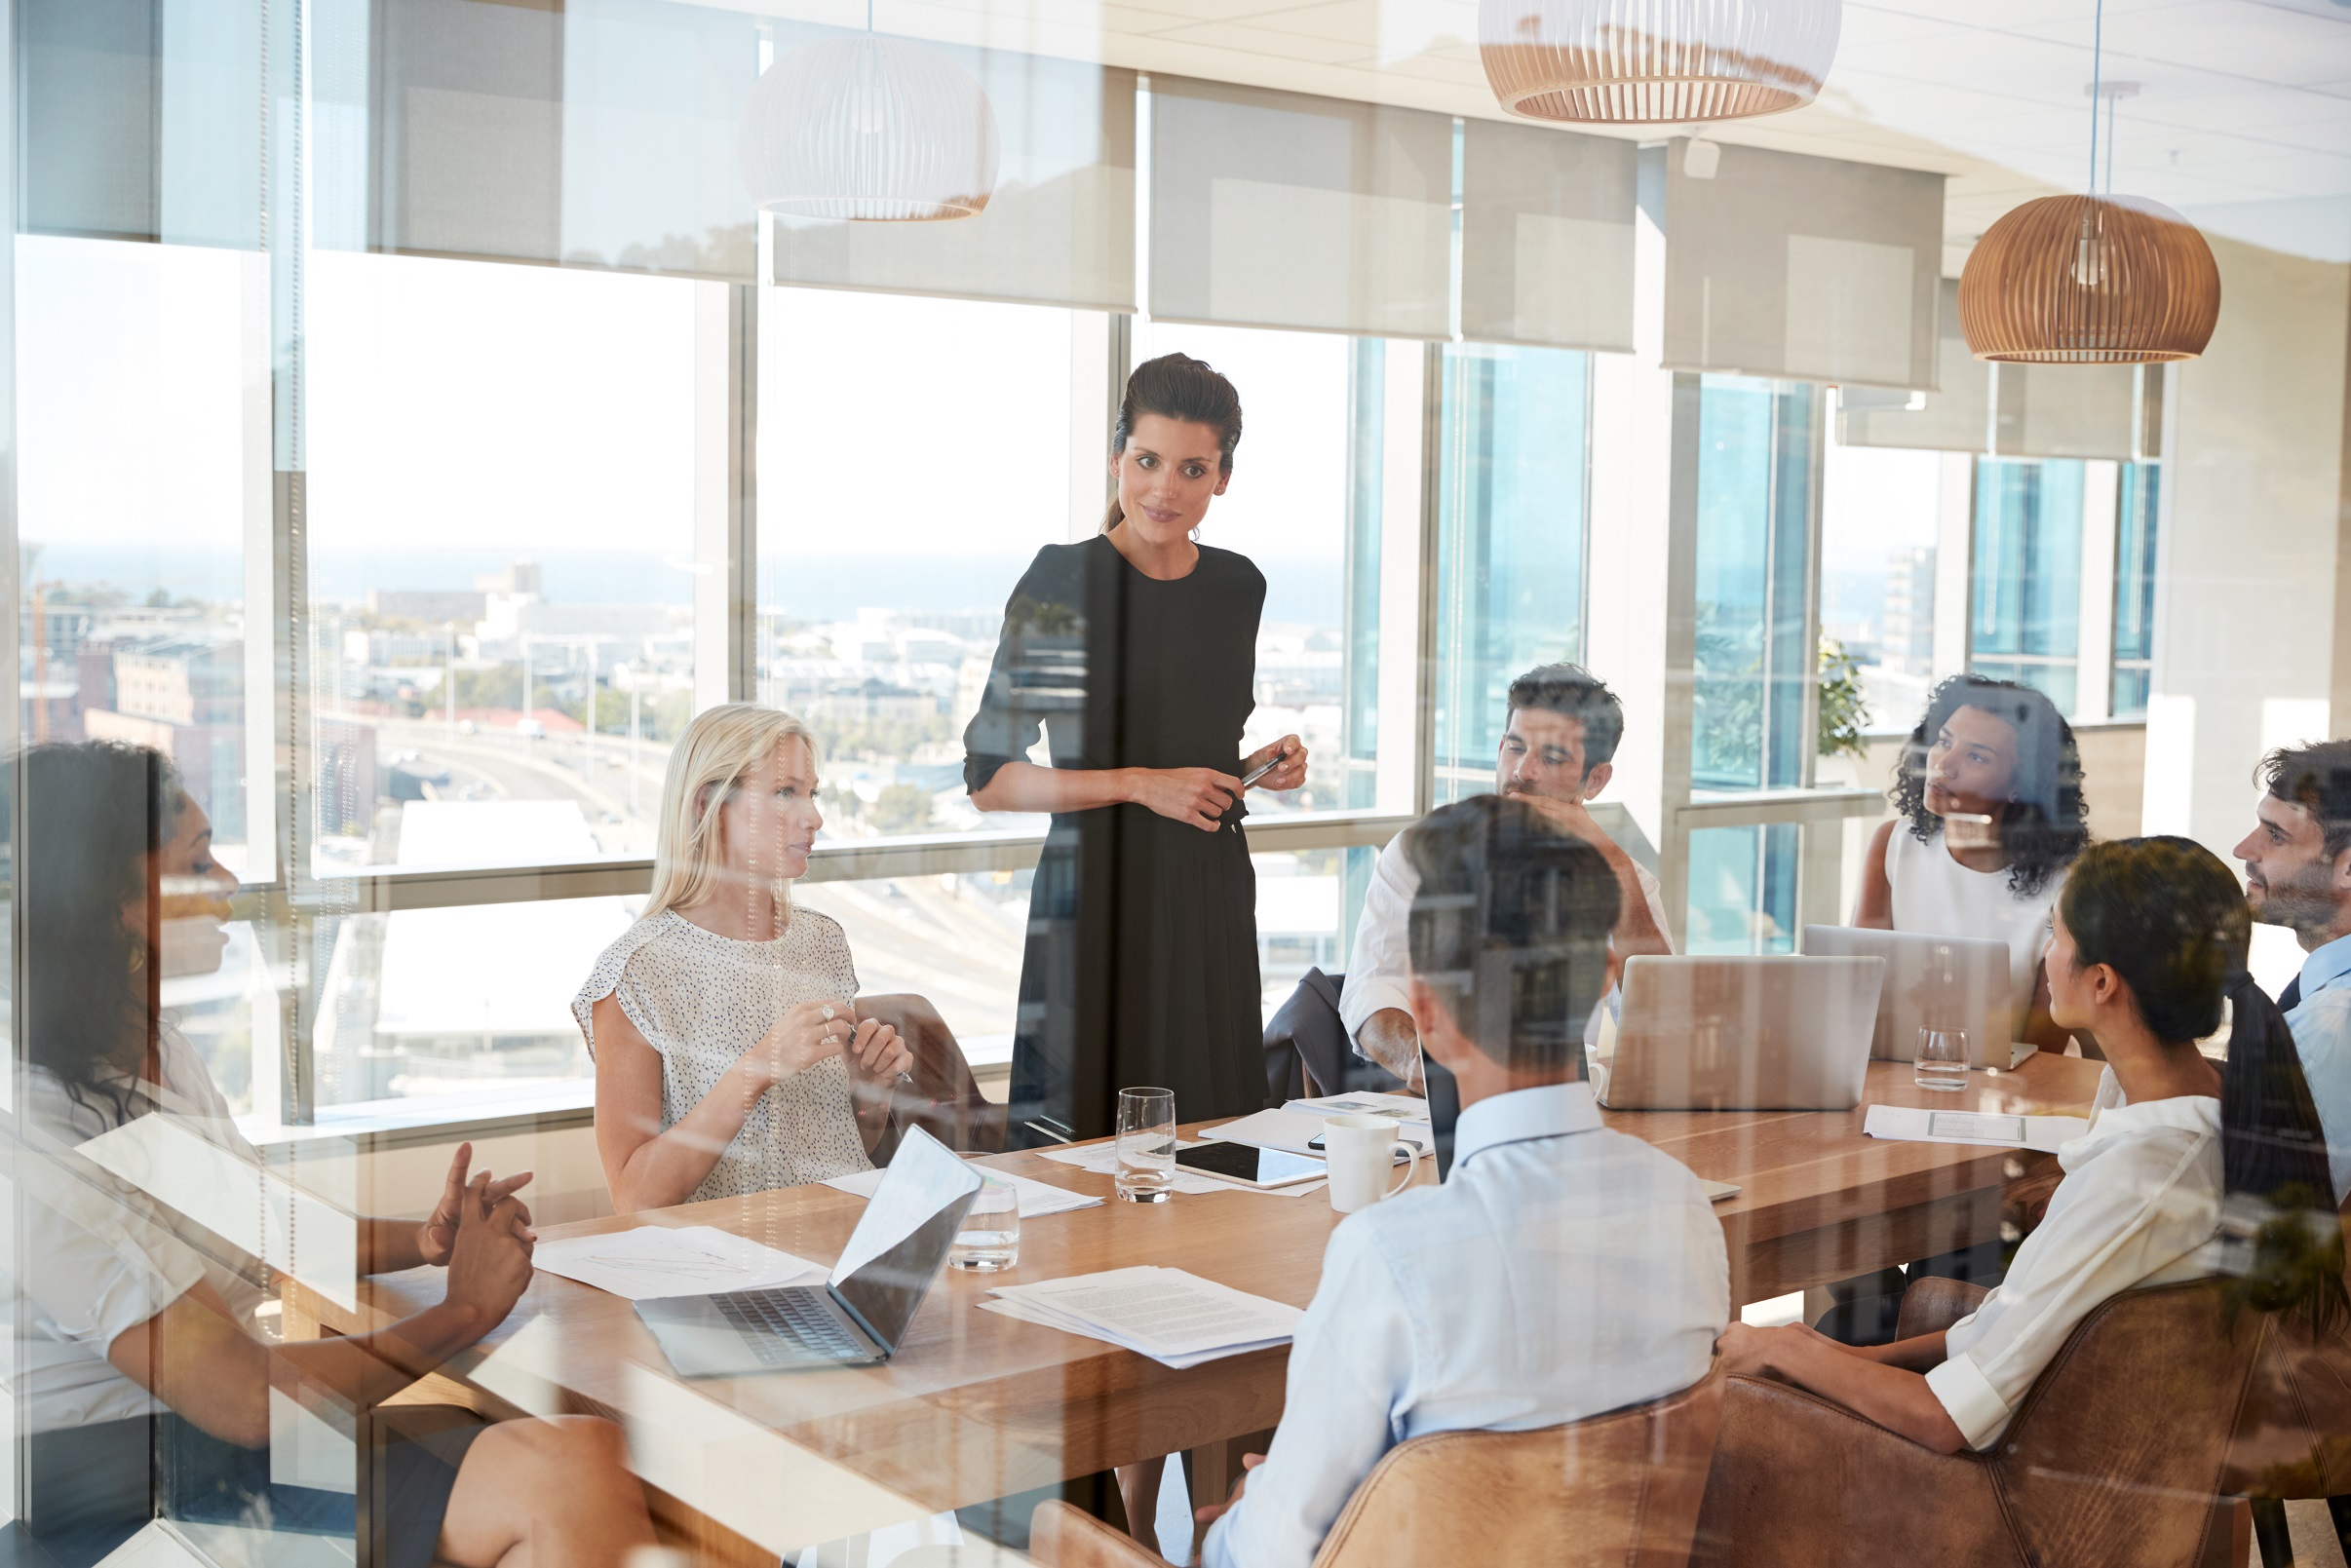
{"points": [[977, 1406]]}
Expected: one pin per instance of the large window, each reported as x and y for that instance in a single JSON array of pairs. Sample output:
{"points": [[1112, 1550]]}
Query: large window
{"points": [[2135, 588], [1511, 482], [1756, 482], [2027, 619], [502, 550], [135, 496], [1880, 528]]}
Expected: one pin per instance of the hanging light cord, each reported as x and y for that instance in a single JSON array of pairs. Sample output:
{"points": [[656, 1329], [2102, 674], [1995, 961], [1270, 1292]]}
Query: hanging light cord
{"points": [[2098, 29]]}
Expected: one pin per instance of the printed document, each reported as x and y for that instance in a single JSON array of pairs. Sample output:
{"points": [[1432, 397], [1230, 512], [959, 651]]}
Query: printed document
{"points": [[653, 1261], [1166, 1314], [1908, 1124], [1037, 1197]]}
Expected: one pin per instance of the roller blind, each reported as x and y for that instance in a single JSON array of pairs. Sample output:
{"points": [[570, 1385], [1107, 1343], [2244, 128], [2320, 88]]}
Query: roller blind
{"points": [[1810, 269], [1546, 237], [2068, 411], [1279, 210], [594, 132], [1954, 419], [141, 120], [1059, 229]]}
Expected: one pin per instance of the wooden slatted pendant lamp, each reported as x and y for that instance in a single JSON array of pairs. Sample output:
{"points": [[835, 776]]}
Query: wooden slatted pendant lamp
{"points": [[1653, 62], [2091, 279]]}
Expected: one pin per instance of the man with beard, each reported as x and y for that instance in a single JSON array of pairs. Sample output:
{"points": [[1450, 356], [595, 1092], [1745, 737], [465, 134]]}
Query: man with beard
{"points": [[1554, 755], [2297, 873]]}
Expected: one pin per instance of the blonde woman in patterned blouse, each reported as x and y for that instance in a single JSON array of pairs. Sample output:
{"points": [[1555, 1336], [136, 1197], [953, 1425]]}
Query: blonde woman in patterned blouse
{"points": [[730, 1057]]}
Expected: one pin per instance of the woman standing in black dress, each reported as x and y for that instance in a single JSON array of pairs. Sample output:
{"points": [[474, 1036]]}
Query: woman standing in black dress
{"points": [[1135, 653]]}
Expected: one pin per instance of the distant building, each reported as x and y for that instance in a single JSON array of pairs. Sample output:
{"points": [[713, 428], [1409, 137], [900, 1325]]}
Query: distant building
{"points": [[184, 695], [871, 701], [522, 577], [1908, 645], [431, 607]]}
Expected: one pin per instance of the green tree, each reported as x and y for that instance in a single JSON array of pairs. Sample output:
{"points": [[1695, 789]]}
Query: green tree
{"points": [[902, 808], [1842, 711]]}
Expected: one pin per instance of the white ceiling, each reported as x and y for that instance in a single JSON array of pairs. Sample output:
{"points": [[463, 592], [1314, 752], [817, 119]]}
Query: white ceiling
{"points": [[2240, 115]]}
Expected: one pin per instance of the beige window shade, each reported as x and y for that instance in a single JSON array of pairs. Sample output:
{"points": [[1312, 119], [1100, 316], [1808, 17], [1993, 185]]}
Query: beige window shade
{"points": [[1060, 227], [2071, 410], [1954, 419], [594, 132], [140, 122], [1546, 237], [1318, 214], [1810, 269]]}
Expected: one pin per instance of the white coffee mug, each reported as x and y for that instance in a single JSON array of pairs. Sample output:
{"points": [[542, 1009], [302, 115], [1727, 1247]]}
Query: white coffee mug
{"points": [[1360, 1151]]}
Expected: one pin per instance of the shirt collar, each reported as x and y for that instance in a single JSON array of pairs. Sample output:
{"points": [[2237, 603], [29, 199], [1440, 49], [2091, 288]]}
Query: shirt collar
{"points": [[2190, 1113], [1550, 1111], [2329, 964]]}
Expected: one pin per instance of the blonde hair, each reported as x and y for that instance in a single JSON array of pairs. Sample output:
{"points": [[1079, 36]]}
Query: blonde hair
{"points": [[705, 766]]}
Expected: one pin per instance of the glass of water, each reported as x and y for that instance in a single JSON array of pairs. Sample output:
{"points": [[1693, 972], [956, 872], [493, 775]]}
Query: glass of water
{"points": [[1940, 1061], [990, 1238], [1146, 1145]]}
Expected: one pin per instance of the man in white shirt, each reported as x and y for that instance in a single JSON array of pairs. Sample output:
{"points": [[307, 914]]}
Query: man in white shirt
{"points": [[1557, 749], [2298, 874], [1561, 1270]]}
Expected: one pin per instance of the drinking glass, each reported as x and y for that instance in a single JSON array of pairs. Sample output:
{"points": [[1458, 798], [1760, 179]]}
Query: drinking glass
{"points": [[1940, 1061], [1146, 1145], [990, 1238]]}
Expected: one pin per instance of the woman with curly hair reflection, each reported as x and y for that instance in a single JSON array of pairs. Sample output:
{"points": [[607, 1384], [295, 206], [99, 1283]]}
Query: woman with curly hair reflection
{"points": [[1989, 813]]}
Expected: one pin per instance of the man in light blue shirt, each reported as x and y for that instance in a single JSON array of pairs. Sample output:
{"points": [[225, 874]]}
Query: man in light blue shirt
{"points": [[1562, 1271], [2298, 874]]}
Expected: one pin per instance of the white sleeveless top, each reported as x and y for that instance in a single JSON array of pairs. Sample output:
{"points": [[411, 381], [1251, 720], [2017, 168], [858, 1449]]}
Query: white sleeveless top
{"points": [[1938, 896], [702, 1000]]}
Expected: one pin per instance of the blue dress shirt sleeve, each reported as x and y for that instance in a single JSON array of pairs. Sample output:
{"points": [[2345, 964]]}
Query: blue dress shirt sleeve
{"points": [[1350, 1372]]}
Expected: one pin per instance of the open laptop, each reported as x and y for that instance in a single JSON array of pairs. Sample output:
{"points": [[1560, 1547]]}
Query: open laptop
{"points": [[1969, 989], [1741, 1034], [856, 1316]]}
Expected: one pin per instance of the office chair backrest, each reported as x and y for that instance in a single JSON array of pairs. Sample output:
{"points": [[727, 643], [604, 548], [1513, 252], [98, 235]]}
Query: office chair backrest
{"points": [[1619, 1489]]}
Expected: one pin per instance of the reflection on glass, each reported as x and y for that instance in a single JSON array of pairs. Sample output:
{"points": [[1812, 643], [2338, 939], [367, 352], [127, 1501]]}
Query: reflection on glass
{"points": [[1509, 540], [2026, 620]]}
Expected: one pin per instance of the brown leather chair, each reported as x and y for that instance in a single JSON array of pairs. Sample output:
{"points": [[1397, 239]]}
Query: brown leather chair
{"points": [[1620, 1489], [944, 1098], [2114, 1460], [2293, 1438]]}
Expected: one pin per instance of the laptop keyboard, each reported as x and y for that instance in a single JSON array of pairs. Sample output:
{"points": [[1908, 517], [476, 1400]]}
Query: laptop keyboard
{"points": [[789, 1325]]}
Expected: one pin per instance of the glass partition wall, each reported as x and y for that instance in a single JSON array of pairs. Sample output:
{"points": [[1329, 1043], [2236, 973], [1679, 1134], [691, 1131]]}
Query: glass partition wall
{"points": [[416, 425]]}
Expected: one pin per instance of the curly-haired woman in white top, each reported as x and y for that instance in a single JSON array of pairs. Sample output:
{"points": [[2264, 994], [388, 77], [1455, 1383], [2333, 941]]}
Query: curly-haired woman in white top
{"points": [[730, 1055]]}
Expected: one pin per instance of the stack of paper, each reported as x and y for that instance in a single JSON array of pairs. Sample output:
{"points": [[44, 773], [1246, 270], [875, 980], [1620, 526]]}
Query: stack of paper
{"points": [[653, 1261], [1178, 1319], [1407, 1109], [1037, 1197], [1914, 1124]]}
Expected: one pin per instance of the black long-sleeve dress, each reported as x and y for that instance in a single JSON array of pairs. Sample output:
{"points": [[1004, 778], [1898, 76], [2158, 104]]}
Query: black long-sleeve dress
{"points": [[1140, 965]]}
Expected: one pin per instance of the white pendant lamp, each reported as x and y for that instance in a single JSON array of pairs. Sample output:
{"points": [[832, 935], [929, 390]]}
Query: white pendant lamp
{"points": [[881, 129], [1651, 61]]}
